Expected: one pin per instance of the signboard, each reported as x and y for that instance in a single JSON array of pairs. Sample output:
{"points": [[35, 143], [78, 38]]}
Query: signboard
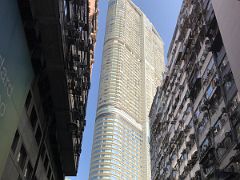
{"points": [[15, 74]]}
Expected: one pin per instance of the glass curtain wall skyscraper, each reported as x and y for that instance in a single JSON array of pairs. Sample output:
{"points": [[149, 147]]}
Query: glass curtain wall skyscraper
{"points": [[132, 67]]}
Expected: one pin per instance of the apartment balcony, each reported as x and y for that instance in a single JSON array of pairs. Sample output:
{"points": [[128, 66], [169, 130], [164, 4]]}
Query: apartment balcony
{"points": [[155, 175], [225, 146], [217, 105], [193, 160], [221, 54], [184, 174], [207, 151], [209, 13], [189, 144], [212, 30], [221, 127], [179, 53], [234, 112], [183, 151], [174, 160], [187, 128], [182, 168], [205, 3], [192, 150], [179, 137], [195, 85], [230, 172], [196, 176], [194, 170], [167, 172], [209, 171], [231, 89], [235, 159], [173, 121], [203, 128], [225, 69]]}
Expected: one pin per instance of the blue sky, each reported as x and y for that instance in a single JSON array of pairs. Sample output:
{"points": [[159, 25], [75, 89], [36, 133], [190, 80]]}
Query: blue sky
{"points": [[163, 14]]}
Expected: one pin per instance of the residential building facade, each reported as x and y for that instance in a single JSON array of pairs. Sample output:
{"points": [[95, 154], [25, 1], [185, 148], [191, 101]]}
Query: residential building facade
{"points": [[131, 70], [46, 54], [195, 114], [227, 17]]}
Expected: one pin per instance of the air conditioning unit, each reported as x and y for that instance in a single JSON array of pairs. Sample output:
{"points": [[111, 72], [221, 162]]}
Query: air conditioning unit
{"points": [[181, 87]]}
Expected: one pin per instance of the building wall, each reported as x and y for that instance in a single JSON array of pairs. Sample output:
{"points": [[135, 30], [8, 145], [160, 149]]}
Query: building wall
{"points": [[16, 75], [20, 140], [51, 124], [131, 69], [28, 137], [227, 14], [195, 113]]}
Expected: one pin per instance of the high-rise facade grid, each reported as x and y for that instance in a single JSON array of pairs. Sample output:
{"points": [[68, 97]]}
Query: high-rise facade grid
{"points": [[131, 70]]}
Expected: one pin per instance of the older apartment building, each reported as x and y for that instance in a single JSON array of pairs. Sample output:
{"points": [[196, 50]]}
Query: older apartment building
{"points": [[46, 56], [195, 127]]}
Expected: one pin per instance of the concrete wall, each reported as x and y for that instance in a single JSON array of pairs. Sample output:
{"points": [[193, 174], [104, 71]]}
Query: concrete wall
{"points": [[27, 138], [228, 17]]}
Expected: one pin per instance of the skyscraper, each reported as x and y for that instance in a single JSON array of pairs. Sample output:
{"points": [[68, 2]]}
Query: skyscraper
{"points": [[131, 70]]}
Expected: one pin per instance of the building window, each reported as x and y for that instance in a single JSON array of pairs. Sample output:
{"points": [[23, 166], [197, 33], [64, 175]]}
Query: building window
{"points": [[238, 130], [38, 135], [224, 64], [228, 85], [219, 125], [22, 156], [228, 81], [205, 145], [202, 125], [15, 141], [46, 162], [33, 118], [49, 172], [43, 151], [28, 100], [209, 91], [28, 171]]}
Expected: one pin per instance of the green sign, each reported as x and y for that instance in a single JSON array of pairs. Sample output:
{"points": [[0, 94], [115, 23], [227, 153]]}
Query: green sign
{"points": [[15, 74]]}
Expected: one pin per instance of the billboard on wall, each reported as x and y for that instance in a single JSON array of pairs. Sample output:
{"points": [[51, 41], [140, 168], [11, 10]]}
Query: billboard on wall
{"points": [[15, 74]]}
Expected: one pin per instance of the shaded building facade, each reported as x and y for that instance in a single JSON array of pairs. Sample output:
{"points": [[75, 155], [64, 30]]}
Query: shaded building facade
{"points": [[195, 114], [227, 15], [46, 54], [131, 70]]}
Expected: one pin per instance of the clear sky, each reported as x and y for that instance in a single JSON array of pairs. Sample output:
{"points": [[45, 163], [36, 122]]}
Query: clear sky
{"points": [[163, 14]]}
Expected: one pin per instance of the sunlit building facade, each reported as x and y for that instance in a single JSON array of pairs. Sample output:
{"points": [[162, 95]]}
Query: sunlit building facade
{"points": [[131, 70], [195, 127]]}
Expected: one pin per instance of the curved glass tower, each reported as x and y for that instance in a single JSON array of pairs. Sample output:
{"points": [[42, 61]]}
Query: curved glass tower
{"points": [[132, 67]]}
